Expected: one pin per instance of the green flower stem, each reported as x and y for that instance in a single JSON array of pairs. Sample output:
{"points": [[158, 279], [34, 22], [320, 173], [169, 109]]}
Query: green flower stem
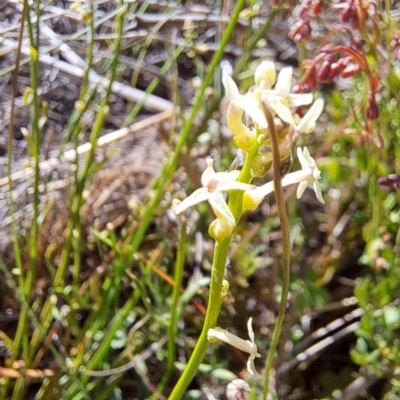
{"points": [[280, 203], [214, 305], [217, 275]]}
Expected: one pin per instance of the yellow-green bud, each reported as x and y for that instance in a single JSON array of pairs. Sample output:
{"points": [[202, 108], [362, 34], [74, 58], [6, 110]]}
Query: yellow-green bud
{"points": [[251, 200], [244, 138], [261, 164], [219, 230]]}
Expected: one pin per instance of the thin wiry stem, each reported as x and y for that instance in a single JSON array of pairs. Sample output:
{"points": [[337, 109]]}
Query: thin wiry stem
{"points": [[17, 249], [280, 202]]}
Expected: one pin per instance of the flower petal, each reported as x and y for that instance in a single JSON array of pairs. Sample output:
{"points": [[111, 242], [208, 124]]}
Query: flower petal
{"points": [[231, 89], [221, 209], [250, 329], [196, 197], [318, 192], [301, 188], [253, 110], [250, 365], [305, 159], [208, 173], [234, 185], [300, 99], [249, 105], [307, 124], [284, 82], [282, 110]]}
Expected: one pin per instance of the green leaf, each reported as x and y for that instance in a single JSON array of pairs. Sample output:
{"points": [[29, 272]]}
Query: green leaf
{"points": [[392, 317], [223, 374], [357, 358]]}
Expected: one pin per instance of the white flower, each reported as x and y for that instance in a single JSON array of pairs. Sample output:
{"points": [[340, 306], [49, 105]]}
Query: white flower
{"points": [[248, 103], [281, 100], [308, 164], [309, 174], [217, 334], [214, 183]]}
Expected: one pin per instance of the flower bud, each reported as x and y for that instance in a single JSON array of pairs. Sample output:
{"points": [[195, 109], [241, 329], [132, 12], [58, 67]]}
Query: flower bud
{"points": [[244, 138], [324, 72], [251, 200], [261, 164], [220, 230], [265, 75], [350, 70]]}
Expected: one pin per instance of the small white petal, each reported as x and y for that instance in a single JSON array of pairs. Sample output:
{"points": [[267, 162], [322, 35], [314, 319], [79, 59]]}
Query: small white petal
{"points": [[300, 99], [250, 366], [209, 173], [249, 105], [318, 192], [301, 188], [234, 185], [231, 90], [196, 197], [284, 83], [307, 124], [250, 329], [253, 110], [282, 110], [305, 159], [308, 163], [221, 209]]}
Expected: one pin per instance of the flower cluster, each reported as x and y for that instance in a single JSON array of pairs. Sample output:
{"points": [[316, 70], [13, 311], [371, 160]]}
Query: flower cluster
{"points": [[270, 101], [255, 135]]}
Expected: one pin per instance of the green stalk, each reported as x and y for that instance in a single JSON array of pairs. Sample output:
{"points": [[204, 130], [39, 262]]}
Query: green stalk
{"points": [[214, 305], [217, 275], [280, 203]]}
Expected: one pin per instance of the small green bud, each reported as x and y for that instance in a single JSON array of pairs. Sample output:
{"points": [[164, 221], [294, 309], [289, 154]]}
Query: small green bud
{"points": [[261, 164]]}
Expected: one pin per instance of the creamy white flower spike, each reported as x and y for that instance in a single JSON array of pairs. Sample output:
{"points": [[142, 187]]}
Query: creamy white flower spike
{"points": [[309, 174], [214, 183], [281, 100], [246, 102], [218, 334]]}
